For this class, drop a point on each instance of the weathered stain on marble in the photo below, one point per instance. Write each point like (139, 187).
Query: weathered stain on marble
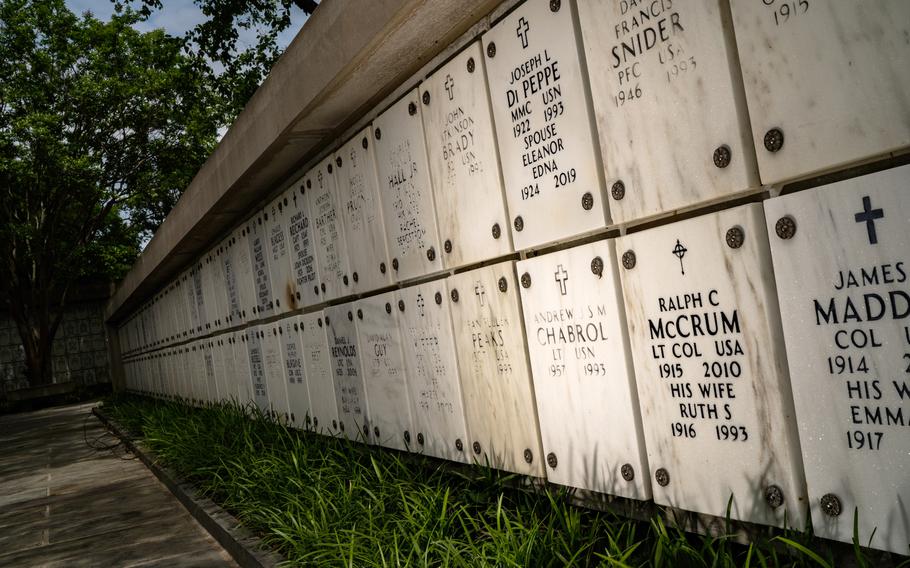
(432, 368)
(384, 374)
(464, 165)
(668, 98)
(711, 369)
(361, 214)
(842, 282)
(585, 388)
(544, 125)
(832, 76)
(494, 370)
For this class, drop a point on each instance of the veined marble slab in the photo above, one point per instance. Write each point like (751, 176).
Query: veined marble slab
(243, 374)
(298, 395)
(432, 369)
(670, 109)
(274, 370)
(353, 409)
(260, 392)
(384, 375)
(405, 191)
(280, 254)
(713, 387)
(230, 271)
(361, 214)
(317, 363)
(464, 165)
(544, 127)
(583, 378)
(331, 253)
(493, 366)
(830, 77)
(257, 236)
(245, 274)
(304, 269)
(842, 282)
(211, 381)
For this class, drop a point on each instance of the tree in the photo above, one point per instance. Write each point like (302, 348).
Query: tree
(101, 129)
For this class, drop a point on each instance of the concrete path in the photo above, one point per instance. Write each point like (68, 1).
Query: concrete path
(66, 503)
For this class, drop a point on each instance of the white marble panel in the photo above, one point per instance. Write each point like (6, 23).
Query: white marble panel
(830, 76)
(274, 370)
(351, 397)
(494, 370)
(257, 236)
(671, 113)
(260, 392)
(243, 373)
(384, 374)
(842, 282)
(405, 191)
(432, 369)
(317, 363)
(298, 396)
(303, 248)
(711, 370)
(208, 360)
(544, 125)
(283, 290)
(583, 377)
(331, 253)
(464, 164)
(245, 277)
(361, 214)
(230, 270)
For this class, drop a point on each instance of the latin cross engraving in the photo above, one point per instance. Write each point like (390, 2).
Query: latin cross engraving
(522, 32)
(561, 277)
(868, 216)
(449, 85)
(480, 291)
(680, 251)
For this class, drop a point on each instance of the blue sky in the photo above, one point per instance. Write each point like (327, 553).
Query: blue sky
(178, 16)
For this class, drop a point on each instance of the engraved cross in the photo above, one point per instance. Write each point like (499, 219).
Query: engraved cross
(868, 216)
(561, 277)
(479, 291)
(522, 32)
(449, 84)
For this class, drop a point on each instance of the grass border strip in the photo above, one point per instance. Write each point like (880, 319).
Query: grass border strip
(244, 547)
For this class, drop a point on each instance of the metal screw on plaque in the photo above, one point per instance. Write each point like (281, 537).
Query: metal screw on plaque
(382, 267)
(597, 266)
(356, 278)
(359, 314)
(366, 431)
(438, 298)
(785, 227)
(627, 471)
(322, 287)
(458, 445)
(551, 460)
(412, 108)
(407, 437)
(454, 295)
(735, 237)
(319, 321)
(329, 168)
(315, 289)
(395, 264)
(526, 280)
(338, 161)
(618, 191)
(476, 447)
(774, 140)
(426, 97)
(345, 279)
(377, 133)
(722, 156)
(365, 143)
(376, 431)
(388, 308)
(529, 455)
(431, 254)
(420, 438)
(662, 476)
(334, 424)
(491, 50)
(830, 504)
(341, 426)
(628, 260)
(400, 305)
(555, 5)
(447, 246)
(309, 184)
(296, 294)
(587, 201)
(327, 320)
(503, 284)
(519, 223)
(470, 64)
(774, 496)
(496, 231)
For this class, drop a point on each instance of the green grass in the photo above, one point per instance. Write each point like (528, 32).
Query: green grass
(329, 502)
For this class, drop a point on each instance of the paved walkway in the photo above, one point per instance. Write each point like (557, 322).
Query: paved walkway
(64, 503)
